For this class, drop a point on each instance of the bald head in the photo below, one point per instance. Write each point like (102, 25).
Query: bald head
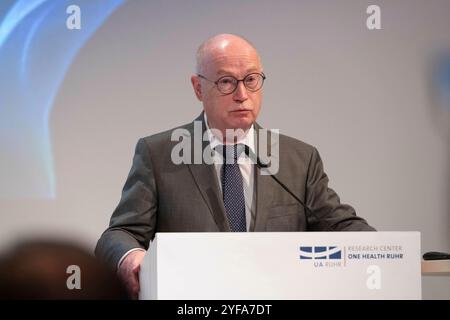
(222, 44)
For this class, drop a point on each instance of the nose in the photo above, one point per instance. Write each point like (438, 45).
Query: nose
(240, 95)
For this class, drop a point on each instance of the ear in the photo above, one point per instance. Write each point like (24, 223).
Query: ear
(195, 80)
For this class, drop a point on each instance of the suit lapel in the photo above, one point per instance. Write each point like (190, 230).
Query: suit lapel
(264, 196)
(206, 179)
(264, 188)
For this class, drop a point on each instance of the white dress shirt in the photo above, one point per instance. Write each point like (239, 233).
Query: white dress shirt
(245, 164)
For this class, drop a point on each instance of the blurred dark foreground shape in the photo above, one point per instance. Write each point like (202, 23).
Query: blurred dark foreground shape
(37, 269)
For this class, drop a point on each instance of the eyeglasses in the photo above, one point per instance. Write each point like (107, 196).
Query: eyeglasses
(228, 84)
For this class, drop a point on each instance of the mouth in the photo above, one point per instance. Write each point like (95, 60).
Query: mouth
(242, 111)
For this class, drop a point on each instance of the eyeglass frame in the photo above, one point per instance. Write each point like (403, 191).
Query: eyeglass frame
(237, 83)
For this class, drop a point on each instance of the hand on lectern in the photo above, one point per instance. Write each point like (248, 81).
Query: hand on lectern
(129, 272)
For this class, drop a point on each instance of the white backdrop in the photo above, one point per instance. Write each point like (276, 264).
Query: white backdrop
(363, 98)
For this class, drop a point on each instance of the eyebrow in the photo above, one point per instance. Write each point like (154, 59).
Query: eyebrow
(249, 70)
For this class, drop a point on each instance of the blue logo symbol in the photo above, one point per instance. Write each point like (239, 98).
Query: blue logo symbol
(320, 253)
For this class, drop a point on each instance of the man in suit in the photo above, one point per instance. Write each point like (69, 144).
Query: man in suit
(163, 195)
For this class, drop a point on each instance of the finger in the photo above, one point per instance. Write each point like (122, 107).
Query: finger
(132, 287)
(136, 279)
(136, 268)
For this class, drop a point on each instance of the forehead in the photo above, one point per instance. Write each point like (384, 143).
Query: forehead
(238, 62)
(239, 69)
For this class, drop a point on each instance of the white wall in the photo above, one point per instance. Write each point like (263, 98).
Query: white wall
(361, 97)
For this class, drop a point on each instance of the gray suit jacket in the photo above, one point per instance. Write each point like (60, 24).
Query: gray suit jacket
(160, 196)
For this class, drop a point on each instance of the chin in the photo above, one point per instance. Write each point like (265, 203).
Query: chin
(243, 123)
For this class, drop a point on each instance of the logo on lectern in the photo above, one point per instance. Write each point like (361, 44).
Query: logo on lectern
(322, 252)
(338, 256)
(322, 256)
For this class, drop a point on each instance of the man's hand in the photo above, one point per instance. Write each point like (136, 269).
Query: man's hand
(129, 272)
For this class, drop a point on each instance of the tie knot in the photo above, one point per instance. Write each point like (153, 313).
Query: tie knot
(230, 152)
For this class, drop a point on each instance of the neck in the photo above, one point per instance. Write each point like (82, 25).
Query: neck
(226, 135)
(229, 135)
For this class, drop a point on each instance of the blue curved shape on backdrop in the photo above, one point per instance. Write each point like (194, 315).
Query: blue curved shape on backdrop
(442, 82)
(36, 50)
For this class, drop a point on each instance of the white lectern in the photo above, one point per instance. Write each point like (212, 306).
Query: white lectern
(282, 265)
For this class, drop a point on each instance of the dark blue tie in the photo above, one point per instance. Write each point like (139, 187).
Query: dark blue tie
(233, 190)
